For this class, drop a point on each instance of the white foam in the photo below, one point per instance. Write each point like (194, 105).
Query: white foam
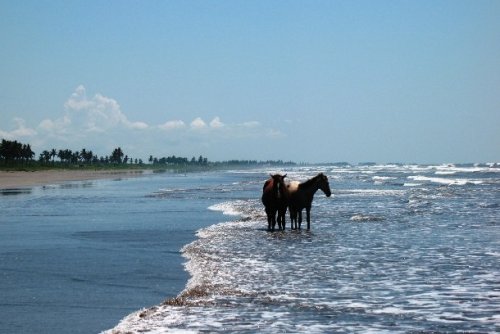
(411, 184)
(496, 254)
(365, 218)
(445, 172)
(159, 320)
(370, 192)
(227, 208)
(445, 181)
(358, 305)
(391, 310)
(383, 178)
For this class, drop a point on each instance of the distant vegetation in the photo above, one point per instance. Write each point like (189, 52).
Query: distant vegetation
(18, 156)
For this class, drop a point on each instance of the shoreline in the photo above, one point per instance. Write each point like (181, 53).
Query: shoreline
(26, 179)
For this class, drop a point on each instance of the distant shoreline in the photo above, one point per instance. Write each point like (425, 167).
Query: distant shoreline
(31, 176)
(22, 175)
(24, 179)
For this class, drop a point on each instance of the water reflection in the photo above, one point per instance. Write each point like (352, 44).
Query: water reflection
(15, 191)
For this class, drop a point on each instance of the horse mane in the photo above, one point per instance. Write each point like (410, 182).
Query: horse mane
(274, 184)
(310, 182)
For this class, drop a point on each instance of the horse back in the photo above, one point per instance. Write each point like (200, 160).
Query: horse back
(296, 196)
(293, 186)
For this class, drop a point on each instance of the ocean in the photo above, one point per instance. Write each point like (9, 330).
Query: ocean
(395, 249)
(79, 256)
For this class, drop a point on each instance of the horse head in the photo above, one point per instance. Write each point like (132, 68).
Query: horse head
(323, 184)
(279, 185)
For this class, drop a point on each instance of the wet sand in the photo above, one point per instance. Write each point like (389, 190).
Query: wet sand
(22, 179)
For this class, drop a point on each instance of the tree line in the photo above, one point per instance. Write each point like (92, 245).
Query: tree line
(86, 157)
(14, 153)
(173, 160)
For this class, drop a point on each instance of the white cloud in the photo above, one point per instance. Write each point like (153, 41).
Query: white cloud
(172, 125)
(216, 123)
(273, 133)
(58, 126)
(97, 114)
(251, 124)
(138, 125)
(78, 99)
(21, 130)
(198, 124)
(98, 123)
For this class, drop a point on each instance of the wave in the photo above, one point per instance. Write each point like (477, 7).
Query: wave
(246, 209)
(489, 205)
(474, 168)
(446, 181)
(383, 178)
(369, 192)
(411, 184)
(227, 208)
(445, 172)
(443, 169)
(366, 218)
(221, 274)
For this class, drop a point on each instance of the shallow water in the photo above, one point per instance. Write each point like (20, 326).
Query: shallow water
(77, 257)
(396, 249)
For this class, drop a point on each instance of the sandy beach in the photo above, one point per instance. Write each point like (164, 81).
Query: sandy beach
(22, 179)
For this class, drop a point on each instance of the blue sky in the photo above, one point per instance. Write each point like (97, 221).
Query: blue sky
(314, 81)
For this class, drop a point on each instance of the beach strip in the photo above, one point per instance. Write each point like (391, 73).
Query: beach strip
(23, 179)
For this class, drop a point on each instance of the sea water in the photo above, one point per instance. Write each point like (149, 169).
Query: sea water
(397, 248)
(79, 256)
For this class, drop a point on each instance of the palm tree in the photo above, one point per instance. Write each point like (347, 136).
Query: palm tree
(45, 156)
(117, 155)
(60, 155)
(26, 152)
(83, 154)
(53, 154)
(86, 156)
(75, 157)
(65, 155)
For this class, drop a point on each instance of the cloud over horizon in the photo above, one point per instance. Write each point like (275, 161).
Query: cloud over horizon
(98, 113)
(98, 123)
(20, 130)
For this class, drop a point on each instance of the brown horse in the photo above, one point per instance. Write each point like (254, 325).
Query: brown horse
(275, 200)
(301, 196)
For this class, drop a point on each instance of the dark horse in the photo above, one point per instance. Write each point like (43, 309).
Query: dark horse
(301, 196)
(275, 199)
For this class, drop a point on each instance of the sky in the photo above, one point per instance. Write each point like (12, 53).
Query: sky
(307, 81)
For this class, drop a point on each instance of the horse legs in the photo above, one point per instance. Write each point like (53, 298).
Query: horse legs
(281, 218)
(308, 217)
(293, 219)
(300, 219)
(271, 219)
